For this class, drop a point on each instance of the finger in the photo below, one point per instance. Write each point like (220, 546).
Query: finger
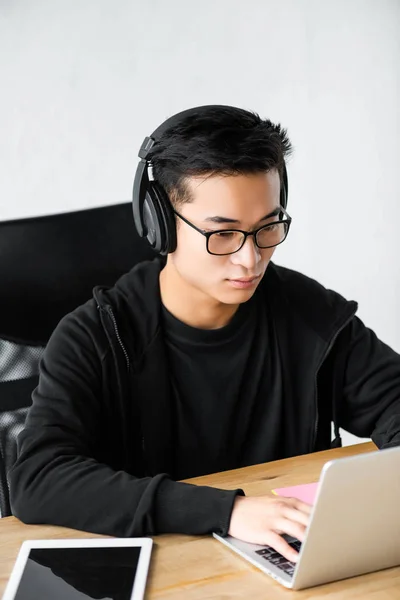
(290, 504)
(300, 505)
(296, 515)
(296, 530)
(279, 544)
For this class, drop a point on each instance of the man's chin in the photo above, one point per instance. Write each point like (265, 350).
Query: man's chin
(235, 295)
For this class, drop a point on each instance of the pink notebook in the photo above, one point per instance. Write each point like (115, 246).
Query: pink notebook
(305, 492)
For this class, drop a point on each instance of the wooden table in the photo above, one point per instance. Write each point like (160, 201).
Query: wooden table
(192, 568)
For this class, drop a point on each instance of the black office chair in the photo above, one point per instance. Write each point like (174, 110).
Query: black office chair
(49, 266)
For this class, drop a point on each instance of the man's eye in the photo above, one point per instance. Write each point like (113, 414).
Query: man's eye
(225, 234)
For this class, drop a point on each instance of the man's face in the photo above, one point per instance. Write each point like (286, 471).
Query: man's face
(226, 202)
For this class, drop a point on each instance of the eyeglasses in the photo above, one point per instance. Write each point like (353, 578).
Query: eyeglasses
(229, 241)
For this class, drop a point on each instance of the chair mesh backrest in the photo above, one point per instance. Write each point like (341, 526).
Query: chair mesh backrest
(19, 368)
(18, 361)
(11, 423)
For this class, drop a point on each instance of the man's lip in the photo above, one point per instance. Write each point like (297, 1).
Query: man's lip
(246, 279)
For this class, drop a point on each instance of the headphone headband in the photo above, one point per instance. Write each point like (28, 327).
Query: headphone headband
(149, 141)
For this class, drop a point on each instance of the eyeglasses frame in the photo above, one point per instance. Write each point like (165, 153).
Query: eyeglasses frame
(208, 234)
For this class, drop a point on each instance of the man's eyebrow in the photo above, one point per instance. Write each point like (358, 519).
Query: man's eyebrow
(220, 220)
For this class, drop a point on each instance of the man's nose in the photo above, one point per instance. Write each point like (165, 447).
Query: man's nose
(248, 255)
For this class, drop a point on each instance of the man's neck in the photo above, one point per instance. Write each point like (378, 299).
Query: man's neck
(191, 306)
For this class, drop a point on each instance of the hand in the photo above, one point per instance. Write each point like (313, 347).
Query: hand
(261, 520)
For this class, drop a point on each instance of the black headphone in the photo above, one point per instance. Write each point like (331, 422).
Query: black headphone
(152, 209)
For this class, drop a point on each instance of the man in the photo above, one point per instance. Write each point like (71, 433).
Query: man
(212, 359)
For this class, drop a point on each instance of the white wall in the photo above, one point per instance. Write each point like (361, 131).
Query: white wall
(83, 81)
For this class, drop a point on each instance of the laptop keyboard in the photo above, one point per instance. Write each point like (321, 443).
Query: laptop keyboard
(277, 559)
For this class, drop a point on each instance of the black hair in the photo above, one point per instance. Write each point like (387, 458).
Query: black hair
(217, 140)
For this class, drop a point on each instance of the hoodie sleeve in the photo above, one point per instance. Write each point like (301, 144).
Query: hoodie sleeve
(371, 406)
(58, 479)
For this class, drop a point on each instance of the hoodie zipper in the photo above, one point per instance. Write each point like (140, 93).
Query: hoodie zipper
(333, 340)
(117, 335)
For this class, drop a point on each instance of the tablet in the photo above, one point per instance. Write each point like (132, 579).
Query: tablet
(78, 569)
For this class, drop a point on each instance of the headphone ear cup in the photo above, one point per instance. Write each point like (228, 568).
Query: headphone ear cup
(284, 187)
(167, 217)
(282, 199)
(152, 221)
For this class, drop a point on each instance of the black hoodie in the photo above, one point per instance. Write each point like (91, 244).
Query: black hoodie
(96, 450)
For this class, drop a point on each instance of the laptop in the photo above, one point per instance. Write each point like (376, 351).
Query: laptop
(354, 526)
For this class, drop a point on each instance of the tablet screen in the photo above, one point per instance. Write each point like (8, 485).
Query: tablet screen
(79, 573)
